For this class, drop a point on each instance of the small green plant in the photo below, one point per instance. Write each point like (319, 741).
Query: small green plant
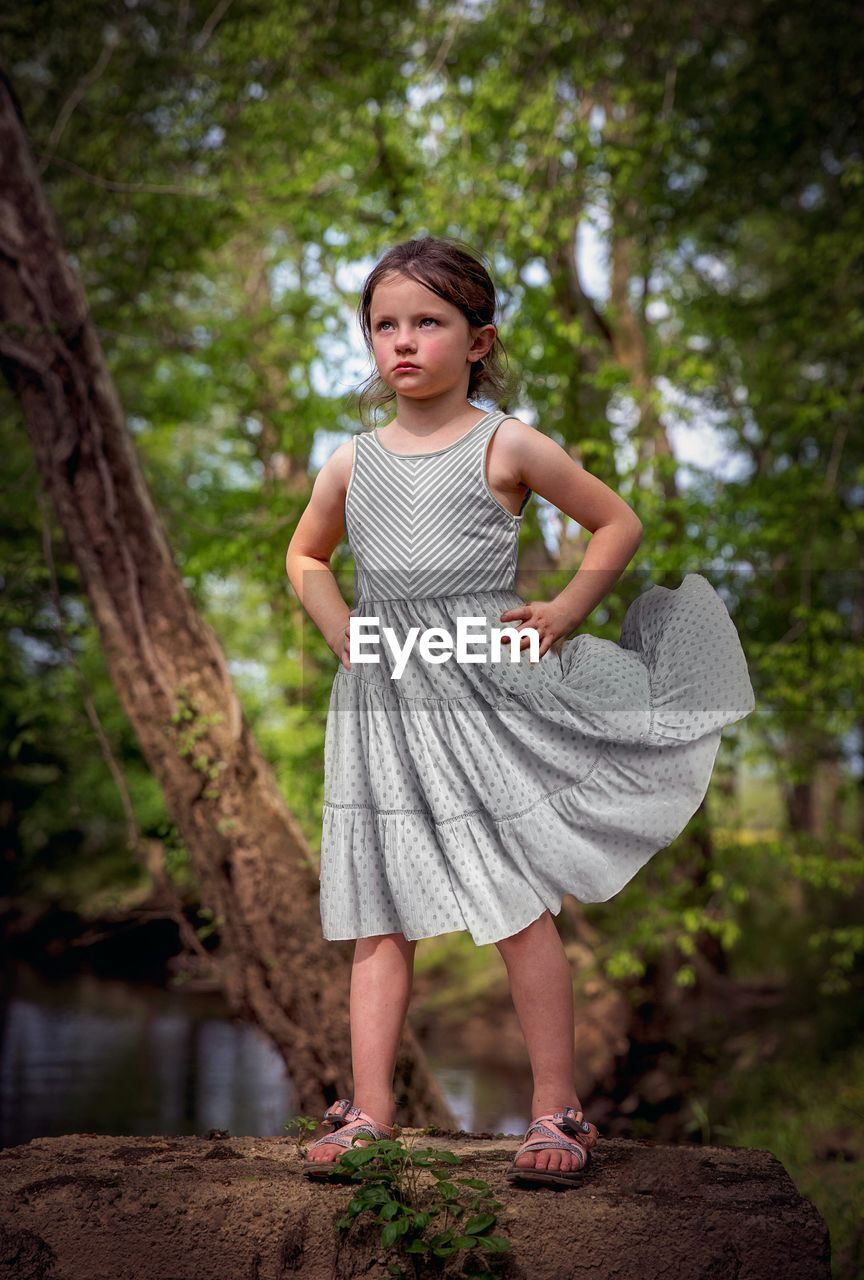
(190, 726)
(436, 1229)
(212, 922)
(305, 1126)
(444, 1230)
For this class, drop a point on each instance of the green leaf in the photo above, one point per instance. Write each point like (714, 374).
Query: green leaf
(445, 1251)
(481, 1222)
(393, 1231)
(495, 1244)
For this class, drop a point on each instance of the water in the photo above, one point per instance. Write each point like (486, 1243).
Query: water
(84, 1054)
(482, 1100)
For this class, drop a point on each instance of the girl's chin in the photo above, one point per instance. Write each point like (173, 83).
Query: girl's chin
(402, 386)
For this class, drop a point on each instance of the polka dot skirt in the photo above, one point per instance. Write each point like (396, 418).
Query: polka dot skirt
(472, 796)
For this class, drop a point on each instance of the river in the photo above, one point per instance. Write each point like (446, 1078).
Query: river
(86, 1054)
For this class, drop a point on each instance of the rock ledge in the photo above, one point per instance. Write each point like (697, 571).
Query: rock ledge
(94, 1207)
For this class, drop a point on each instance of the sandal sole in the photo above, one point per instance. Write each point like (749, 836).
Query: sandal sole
(529, 1175)
(543, 1177)
(320, 1169)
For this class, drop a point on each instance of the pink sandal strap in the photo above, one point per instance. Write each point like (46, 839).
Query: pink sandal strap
(560, 1129)
(337, 1115)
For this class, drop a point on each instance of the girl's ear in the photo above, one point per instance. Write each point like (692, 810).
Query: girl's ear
(490, 331)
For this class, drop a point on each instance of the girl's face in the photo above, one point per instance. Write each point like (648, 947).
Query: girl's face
(410, 323)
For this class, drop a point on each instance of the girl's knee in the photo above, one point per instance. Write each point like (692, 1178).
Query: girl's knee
(541, 922)
(377, 939)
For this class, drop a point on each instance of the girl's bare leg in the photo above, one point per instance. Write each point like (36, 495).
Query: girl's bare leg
(542, 991)
(382, 975)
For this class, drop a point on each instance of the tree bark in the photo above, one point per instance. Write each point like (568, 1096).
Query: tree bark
(247, 849)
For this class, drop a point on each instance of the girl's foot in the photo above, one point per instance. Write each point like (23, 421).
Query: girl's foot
(554, 1158)
(556, 1148)
(351, 1121)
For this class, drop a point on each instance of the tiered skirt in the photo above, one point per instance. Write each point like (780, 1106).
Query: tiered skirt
(474, 795)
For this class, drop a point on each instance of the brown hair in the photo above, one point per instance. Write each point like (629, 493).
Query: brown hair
(455, 273)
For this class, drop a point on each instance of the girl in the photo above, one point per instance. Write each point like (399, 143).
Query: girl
(461, 791)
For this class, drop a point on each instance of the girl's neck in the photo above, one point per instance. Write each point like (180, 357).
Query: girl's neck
(419, 423)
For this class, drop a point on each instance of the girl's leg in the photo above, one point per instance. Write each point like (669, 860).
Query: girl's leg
(382, 975)
(542, 991)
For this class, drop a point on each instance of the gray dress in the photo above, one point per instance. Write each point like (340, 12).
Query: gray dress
(474, 794)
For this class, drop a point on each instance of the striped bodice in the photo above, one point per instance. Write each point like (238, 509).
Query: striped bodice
(428, 524)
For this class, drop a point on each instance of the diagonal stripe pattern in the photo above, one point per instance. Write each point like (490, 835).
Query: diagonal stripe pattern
(428, 523)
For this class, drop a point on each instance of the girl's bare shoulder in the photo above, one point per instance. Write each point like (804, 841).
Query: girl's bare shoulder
(534, 459)
(515, 442)
(331, 482)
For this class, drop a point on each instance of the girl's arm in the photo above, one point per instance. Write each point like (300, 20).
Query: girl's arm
(319, 531)
(531, 458)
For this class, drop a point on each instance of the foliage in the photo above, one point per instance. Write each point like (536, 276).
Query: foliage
(441, 1230)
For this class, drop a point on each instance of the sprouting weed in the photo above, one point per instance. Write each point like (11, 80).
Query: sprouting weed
(305, 1126)
(446, 1229)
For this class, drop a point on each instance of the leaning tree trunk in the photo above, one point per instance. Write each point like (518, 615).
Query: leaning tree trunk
(247, 849)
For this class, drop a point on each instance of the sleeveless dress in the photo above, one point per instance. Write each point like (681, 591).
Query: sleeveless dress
(471, 795)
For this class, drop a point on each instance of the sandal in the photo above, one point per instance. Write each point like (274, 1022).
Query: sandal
(565, 1129)
(337, 1116)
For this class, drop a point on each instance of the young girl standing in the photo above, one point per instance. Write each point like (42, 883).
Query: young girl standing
(463, 792)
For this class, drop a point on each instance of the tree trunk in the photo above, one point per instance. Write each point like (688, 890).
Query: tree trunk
(247, 849)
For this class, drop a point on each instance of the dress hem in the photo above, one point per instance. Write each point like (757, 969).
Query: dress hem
(459, 928)
(648, 851)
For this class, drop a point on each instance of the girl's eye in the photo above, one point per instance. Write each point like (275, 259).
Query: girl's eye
(381, 323)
